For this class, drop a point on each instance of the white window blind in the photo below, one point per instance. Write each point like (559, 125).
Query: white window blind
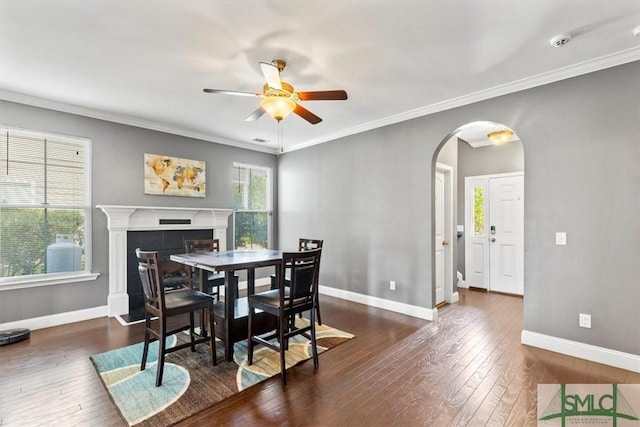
(44, 203)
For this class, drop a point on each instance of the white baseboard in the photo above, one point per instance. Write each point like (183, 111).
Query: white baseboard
(463, 284)
(57, 319)
(398, 307)
(455, 297)
(628, 361)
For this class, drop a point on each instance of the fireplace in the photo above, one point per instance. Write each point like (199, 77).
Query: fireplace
(128, 227)
(165, 242)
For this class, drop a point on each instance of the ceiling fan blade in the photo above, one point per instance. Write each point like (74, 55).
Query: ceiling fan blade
(232, 92)
(271, 75)
(307, 115)
(255, 115)
(323, 95)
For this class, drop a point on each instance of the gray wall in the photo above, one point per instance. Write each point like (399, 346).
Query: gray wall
(487, 160)
(117, 174)
(370, 197)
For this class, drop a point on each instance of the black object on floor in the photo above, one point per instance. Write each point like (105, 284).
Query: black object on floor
(13, 335)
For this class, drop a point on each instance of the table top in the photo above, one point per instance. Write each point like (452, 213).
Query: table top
(230, 260)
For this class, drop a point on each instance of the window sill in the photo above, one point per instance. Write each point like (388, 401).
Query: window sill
(9, 284)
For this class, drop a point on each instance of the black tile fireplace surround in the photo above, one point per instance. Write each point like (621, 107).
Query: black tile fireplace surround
(166, 242)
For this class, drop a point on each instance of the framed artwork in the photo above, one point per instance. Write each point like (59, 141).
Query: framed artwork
(173, 176)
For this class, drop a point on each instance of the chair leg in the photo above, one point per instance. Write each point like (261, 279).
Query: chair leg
(147, 337)
(212, 337)
(318, 309)
(283, 347)
(203, 330)
(314, 346)
(161, 350)
(192, 329)
(250, 338)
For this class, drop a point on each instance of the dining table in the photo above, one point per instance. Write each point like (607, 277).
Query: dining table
(231, 317)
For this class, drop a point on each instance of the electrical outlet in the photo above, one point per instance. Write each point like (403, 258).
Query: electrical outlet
(392, 285)
(585, 320)
(561, 238)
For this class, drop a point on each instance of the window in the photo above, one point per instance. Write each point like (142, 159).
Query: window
(45, 207)
(252, 204)
(478, 211)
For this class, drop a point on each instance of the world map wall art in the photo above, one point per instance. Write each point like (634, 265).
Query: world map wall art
(173, 176)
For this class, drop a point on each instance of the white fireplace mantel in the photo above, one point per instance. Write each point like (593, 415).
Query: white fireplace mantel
(121, 219)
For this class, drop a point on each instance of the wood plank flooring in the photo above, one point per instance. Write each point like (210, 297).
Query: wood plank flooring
(467, 368)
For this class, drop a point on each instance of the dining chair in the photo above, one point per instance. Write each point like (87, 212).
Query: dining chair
(287, 301)
(304, 245)
(165, 304)
(213, 280)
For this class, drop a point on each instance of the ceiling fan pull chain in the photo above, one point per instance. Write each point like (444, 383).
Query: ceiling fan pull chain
(280, 138)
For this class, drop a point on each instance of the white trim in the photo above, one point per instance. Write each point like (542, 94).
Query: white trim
(463, 284)
(590, 352)
(590, 66)
(46, 280)
(121, 219)
(57, 319)
(607, 61)
(398, 307)
(125, 120)
(494, 175)
(447, 171)
(455, 297)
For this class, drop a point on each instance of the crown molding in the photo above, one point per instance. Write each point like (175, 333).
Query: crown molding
(124, 120)
(585, 67)
(607, 61)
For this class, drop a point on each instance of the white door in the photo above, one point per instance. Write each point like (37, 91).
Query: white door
(476, 251)
(506, 233)
(440, 238)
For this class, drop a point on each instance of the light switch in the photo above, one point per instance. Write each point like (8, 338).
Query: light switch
(460, 228)
(561, 238)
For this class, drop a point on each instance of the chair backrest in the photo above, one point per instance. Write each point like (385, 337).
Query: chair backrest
(150, 278)
(301, 269)
(306, 244)
(203, 245)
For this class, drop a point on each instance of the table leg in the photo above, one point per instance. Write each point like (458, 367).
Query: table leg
(229, 315)
(251, 281)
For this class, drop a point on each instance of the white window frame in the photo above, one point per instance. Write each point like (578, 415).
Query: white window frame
(46, 279)
(269, 211)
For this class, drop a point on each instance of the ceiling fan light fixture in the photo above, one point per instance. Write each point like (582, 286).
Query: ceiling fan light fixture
(500, 137)
(278, 107)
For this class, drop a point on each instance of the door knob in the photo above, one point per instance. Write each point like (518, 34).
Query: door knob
(493, 239)
(445, 243)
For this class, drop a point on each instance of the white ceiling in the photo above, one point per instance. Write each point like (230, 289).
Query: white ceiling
(146, 62)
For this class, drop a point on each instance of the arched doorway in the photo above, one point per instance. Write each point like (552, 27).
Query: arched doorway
(473, 157)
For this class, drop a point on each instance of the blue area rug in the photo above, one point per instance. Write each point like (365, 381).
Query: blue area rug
(190, 383)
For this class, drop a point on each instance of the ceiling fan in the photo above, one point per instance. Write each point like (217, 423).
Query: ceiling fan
(278, 97)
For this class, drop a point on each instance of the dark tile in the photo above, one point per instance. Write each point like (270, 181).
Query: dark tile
(150, 240)
(172, 239)
(134, 240)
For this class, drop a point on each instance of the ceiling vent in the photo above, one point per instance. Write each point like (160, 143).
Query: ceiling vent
(260, 140)
(560, 40)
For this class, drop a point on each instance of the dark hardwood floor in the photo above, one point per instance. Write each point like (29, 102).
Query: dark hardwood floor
(467, 368)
